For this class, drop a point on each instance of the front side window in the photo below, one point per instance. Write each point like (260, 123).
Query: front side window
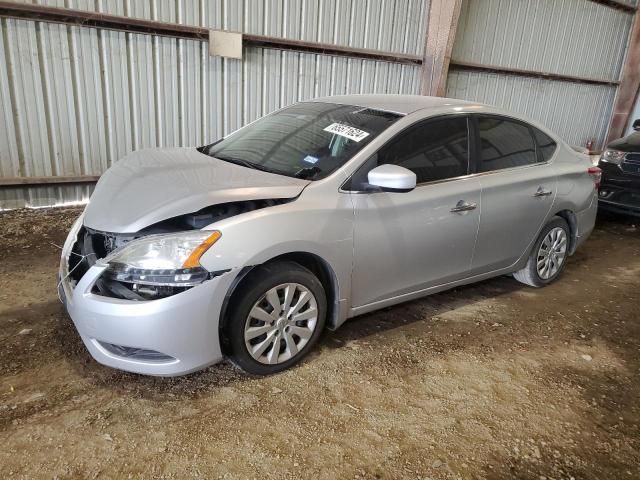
(433, 150)
(308, 140)
(504, 144)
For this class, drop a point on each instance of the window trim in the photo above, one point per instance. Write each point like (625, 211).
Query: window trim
(452, 179)
(474, 140)
(344, 188)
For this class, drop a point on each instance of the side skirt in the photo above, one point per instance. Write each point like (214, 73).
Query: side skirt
(427, 291)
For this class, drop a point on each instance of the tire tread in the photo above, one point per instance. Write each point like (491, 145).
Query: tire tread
(528, 275)
(257, 282)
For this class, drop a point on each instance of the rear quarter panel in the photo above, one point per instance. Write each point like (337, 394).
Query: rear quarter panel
(576, 191)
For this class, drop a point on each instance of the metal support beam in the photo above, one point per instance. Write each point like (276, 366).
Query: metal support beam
(442, 23)
(45, 181)
(458, 65)
(629, 85)
(84, 18)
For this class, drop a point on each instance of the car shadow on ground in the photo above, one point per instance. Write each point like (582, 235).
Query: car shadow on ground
(67, 343)
(593, 434)
(420, 310)
(55, 336)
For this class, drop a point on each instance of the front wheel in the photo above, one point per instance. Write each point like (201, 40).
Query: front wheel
(276, 318)
(548, 256)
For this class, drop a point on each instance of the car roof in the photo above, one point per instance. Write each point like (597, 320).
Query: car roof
(403, 104)
(406, 104)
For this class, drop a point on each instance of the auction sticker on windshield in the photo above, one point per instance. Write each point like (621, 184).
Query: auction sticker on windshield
(352, 133)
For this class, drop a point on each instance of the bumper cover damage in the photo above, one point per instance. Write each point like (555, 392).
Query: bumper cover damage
(166, 337)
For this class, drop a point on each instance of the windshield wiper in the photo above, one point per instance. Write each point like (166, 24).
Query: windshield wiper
(245, 163)
(307, 173)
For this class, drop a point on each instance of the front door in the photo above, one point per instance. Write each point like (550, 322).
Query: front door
(404, 242)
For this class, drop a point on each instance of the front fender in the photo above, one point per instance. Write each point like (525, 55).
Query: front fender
(316, 224)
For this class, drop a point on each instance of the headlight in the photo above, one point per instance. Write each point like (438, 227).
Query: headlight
(612, 156)
(171, 260)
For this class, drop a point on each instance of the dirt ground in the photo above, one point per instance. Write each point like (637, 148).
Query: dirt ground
(494, 380)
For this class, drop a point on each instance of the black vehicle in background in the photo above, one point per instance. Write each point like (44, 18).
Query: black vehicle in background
(620, 164)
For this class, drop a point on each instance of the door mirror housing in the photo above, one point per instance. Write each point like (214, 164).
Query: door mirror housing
(636, 125)
(392, 178)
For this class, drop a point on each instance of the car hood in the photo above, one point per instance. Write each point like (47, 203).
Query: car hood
(149, 186)
(630, 143)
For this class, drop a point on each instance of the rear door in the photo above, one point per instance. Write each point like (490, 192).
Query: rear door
(518, 189)
(404, 242)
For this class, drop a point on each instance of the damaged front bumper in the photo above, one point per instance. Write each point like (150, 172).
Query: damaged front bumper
(169, 336)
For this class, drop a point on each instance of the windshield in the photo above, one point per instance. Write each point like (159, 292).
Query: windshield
(307, 140)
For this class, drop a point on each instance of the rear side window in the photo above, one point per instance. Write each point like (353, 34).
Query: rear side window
(546, 145)
(504, 144)
(433, 150)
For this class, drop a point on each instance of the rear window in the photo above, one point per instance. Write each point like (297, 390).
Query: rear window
(308, 140)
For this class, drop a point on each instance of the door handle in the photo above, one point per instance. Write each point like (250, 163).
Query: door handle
(541, 192)
(463, 206)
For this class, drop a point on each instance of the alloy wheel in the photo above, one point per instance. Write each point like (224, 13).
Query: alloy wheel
(552, 253)
(280, 323)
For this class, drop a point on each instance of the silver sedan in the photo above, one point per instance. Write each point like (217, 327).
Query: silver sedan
(248, 248)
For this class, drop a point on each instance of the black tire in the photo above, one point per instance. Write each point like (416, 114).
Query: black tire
(259, 281)
(529, 274)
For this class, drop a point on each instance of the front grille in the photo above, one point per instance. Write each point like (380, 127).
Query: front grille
(631, 163)
(136, 353)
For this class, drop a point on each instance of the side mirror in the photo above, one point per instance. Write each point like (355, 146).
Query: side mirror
(636, 125)
(392, 178)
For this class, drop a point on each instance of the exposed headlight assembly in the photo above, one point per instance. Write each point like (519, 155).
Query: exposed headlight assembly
(72, 236)
(612, 156)
(162, 260)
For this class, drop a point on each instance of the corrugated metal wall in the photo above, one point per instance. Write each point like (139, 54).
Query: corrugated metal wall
(76, 99)
(567, 37)
(572, 110)
(570, 37)
(386, 25)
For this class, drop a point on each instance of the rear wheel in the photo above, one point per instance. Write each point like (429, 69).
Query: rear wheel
(276, 318)
(548, 256)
